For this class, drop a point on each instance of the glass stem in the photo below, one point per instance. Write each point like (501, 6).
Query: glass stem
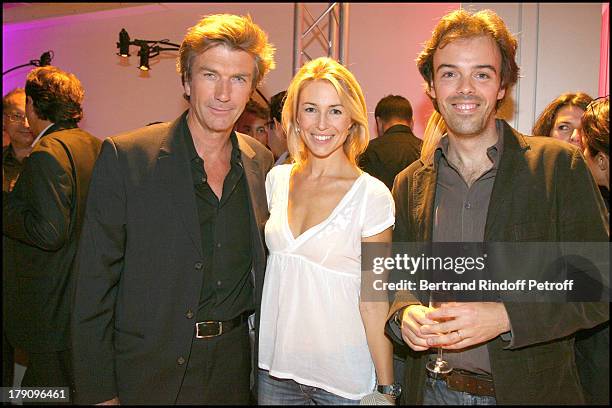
(439, 359)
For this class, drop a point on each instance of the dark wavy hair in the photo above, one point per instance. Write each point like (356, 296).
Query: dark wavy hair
(56, 95)
(596, 126)
(546, 120)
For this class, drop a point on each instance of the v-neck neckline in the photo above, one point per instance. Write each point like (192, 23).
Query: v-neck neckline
(333, 212)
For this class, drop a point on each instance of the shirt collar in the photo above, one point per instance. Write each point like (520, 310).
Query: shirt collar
(41, 134)
(493, 152)
(193, 154)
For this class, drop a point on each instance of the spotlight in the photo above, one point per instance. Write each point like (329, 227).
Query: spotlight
(45, 58)
(144, 57)
(148, 48)
(124, 43)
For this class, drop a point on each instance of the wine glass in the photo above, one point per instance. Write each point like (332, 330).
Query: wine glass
(438, 367)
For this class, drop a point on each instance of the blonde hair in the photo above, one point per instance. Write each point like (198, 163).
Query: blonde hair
(234, 32)
(350, 95)
(435, 129)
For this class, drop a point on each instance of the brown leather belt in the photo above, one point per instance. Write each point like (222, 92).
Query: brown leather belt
(460, 380)
(463, 381)
(211, 328)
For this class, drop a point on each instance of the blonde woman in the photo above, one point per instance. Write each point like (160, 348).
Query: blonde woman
(320, 342)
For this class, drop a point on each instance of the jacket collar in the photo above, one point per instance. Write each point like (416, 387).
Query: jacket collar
(515, 146)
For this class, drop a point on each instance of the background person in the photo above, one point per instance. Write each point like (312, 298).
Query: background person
(595, 136)
(253, 121)
(396, 146)
(320, 342)
(592, 345)
(277, 139)
(561, 118)
(42, 216)
(15, 124)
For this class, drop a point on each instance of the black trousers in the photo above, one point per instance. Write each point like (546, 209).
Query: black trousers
(53, 369)
(218, 370)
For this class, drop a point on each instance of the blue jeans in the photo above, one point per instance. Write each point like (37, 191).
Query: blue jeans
(437, 393)
(280, 391)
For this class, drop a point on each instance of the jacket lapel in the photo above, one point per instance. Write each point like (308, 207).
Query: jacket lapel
(174, 171)
(424, 182)
(254, 181)
(513, 152)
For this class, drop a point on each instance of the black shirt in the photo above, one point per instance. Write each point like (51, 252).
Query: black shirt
(227, 289)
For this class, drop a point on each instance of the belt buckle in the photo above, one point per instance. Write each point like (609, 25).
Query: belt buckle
(206, 336)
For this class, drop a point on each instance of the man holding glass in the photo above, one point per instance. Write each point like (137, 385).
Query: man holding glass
(479, 180)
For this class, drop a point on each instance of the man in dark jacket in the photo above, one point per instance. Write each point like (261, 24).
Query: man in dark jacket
(172, 257)
(42, 218)
(396, 147)
(481, 181)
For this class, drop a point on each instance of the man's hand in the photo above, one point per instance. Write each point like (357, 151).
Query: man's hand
(413, 319)
(114, 401)
(465, 324)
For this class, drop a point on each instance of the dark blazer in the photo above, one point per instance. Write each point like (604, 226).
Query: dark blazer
(391, 153)
(139, 266)
(543, 192)
(42, 220)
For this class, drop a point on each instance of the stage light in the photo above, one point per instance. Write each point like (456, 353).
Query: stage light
(45, 59)
(144, 57)
(148, 48)
(124, 43)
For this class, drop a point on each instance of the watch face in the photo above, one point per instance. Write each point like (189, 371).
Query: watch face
(393, 390)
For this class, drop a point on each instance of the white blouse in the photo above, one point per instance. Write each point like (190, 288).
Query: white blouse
(311, 329)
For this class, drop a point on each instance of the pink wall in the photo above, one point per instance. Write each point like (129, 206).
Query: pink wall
(384, 42)
(604, 64)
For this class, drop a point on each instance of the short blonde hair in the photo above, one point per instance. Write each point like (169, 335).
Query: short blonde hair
(234, 32)
(351, 96)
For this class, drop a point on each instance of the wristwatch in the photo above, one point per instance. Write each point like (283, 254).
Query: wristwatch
(397, 317)
(394, 390)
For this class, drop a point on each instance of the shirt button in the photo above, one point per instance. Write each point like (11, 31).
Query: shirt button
(218, 283)
(189, 314)
(180, 360)
(218, 245)
(198, 265)
(468, 206)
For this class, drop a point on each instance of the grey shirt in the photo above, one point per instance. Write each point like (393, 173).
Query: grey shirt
(460, 215)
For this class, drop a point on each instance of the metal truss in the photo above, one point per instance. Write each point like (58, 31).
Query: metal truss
(312, 42)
